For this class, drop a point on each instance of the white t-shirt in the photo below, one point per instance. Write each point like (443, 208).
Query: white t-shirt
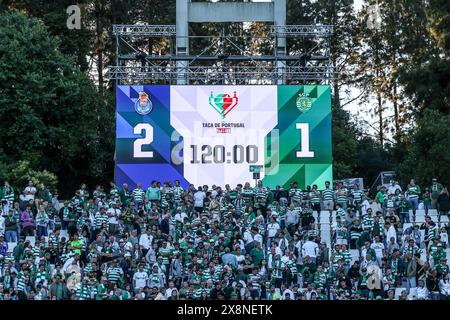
(145, 241)
(180, 216)
(68, 264)
(393, 188)
(289, 292)
(199, 196)
(169, 292)
(141, 279)
(391, 233)
(29, 197)
(240, 258)
(272, 229)
(248, 237)
(128, 246)
(2, 225)
(364, 206)
(258, 238)
(310, 249)
(113, 214)
(422, 293)
(378, 247)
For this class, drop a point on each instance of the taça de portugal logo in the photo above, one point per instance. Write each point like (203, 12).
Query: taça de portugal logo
(143, 105)
(223, 103)
(304, 102)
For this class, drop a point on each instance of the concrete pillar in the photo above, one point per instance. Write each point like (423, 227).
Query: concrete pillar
(182, 41)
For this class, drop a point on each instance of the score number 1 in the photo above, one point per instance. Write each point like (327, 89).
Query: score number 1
(148, 139)
(304, 142)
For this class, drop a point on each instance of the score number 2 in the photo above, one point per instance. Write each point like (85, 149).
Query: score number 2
(148, 138)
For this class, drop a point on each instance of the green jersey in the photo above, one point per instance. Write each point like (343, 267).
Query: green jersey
(436, 190)
(165, 253)
(404, 206)
(153, 194)
(368, 222)
(413, 191)
(380, 197)
(247, 194)
(7, 194)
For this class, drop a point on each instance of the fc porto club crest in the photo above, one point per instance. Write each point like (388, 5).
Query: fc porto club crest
(303, 102)
(143, 105)
(223, 103)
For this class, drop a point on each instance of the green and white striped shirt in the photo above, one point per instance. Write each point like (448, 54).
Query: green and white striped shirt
(138, 195)
(100, 219)
(114, 274)
(327, 194)
(295, 194)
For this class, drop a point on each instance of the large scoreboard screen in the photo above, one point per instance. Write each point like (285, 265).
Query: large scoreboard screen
(213, 134)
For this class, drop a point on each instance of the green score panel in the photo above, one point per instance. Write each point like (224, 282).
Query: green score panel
(299, 147)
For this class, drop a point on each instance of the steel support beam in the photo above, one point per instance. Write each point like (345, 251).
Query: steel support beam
(182, 41)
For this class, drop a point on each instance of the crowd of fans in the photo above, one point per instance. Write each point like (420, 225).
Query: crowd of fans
(170, 243)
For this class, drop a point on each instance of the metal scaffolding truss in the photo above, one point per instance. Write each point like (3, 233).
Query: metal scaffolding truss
(170, 30)
(221, 74)
(302, 30)
(144, 30)
(310, 64)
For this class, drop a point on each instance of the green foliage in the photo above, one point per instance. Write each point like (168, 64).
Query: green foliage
(428, 85)
(401, 41)
(371, 159)
(22, 172)
(439, 23)
(429, 152)
(53, 15)
(344, 144)
(50, 110)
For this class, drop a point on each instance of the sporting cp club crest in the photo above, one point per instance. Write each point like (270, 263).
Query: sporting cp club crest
(223, 103)
(143, 105)
(304, 102)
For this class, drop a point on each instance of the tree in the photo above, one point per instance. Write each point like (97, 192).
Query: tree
(400, 39)
(21, 172)
(47, 105)
(372, 158)
(53, 15)
(343, 48)
(429, 152)
(426, 81)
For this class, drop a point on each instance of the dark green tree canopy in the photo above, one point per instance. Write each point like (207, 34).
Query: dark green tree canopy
(49, 107)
